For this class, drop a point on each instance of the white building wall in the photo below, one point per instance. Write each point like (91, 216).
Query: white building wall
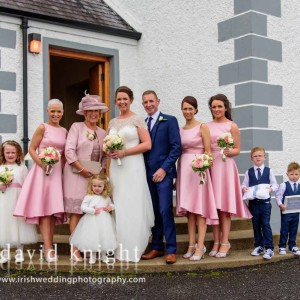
(178, 55)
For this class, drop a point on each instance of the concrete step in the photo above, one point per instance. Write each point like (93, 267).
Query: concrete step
(181, 226)
(240, 240)
(237, 258)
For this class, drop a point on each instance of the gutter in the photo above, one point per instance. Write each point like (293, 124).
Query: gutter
(25, 138)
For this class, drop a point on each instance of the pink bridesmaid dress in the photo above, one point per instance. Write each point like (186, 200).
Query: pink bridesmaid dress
(42, 195)
(192, 196)
(225, 176)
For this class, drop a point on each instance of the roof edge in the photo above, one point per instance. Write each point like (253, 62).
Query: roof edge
(135, 35)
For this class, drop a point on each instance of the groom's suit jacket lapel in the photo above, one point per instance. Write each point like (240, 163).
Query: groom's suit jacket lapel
(155, 127)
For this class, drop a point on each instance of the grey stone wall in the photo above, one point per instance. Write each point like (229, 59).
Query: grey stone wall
(253, 50)
(8, 123)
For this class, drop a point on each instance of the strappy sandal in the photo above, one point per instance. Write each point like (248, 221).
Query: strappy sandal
(213, 253)
(201, 254)
(189, 254)
(222, 254)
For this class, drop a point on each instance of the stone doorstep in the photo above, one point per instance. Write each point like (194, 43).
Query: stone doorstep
(240, 240)
(180, 223)
(235, 259)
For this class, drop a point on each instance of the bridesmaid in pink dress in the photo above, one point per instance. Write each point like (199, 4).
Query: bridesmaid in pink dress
(41, 198)
(194, 200)
(224, 175)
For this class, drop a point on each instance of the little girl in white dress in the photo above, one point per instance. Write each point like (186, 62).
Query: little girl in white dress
(14, 232)
(96, 230)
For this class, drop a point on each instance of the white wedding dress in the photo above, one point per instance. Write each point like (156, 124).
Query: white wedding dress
(131, 196)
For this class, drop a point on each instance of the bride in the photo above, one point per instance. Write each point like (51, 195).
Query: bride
(131, 196)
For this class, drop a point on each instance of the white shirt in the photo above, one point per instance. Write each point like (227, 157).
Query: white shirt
(273, 182)
(154, 119)
(281, 190)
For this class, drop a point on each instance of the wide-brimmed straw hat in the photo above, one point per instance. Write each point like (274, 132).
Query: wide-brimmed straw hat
(91, 102)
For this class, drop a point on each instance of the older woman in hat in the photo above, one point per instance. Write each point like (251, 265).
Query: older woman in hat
(83, 153)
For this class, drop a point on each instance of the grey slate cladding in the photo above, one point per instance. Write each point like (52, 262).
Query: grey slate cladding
(250, 22)
(251, 116)
(7, 38)
(8, 123)
(95, 12)
(259, 93)
(244, 70)
(257, 46)
(270, 7)
(7, 81)
(269, 139)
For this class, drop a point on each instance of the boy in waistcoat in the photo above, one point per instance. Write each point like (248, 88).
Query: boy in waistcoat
(261, 208)
(290, 221)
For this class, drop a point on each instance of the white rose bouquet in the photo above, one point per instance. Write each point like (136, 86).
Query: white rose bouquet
(225, 141)
(113, 142)
(49, 156)
(200, 164)
(6, 177)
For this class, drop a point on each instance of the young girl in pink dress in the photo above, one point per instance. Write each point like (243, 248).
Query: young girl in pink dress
(41, 199)
(194, 200)
(224, 174)
(14, 232)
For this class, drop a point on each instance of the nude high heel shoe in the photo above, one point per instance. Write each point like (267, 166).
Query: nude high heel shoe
(47, 256)
(198, 257)
(224, 254)
(213, 253)
(189, 254)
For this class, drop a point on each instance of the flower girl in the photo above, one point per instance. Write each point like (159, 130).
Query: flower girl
(96, 231)
(14, 232)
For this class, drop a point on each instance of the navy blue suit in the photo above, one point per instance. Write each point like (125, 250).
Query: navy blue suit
(289, 222)
(261, 212)
(166, 148)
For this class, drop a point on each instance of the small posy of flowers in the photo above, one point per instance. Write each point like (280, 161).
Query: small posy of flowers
(225, 141)
(200, 164)
(49, 156)
(161, 119)
(90, 136)
(6, 177)
(113, 142)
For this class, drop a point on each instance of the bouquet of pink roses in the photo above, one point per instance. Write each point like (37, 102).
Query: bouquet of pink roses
(49, 156)
(113, 142)
(6, 177)
(225, 141)
(201, 163)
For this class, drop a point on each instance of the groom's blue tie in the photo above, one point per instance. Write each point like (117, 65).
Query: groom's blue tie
(149, 123)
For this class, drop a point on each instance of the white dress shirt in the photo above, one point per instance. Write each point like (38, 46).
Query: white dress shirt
(154, 119)
(281, 190)
(273, 182)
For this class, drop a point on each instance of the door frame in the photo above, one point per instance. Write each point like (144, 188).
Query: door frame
(108, 53)
(105, 95)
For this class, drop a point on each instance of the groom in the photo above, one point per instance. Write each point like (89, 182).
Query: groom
(161, 170)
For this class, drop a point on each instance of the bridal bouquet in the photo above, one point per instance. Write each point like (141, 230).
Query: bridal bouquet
(113, 142)
(49, 156)
(6, 177)
(201, 163)
(225, 141)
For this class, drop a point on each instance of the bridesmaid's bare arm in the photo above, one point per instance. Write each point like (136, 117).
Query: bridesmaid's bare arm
(235, 132)
(35, 142)
(205, 133)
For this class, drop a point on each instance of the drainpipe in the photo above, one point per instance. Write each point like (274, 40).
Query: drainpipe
(25, 138)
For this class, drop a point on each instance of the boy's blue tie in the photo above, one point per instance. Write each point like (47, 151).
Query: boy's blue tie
(295, 187)
(258, 174)
(149, 123)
